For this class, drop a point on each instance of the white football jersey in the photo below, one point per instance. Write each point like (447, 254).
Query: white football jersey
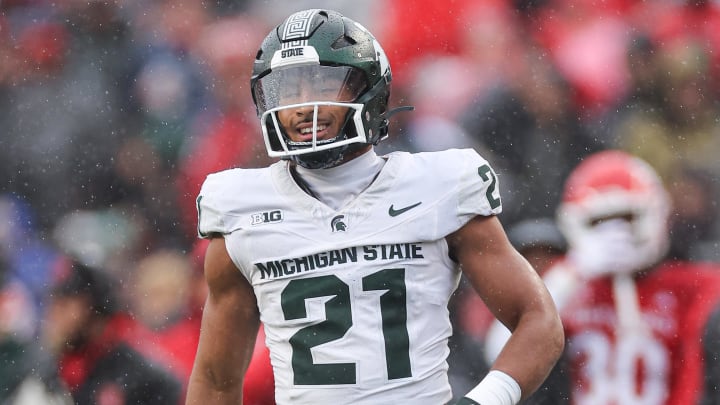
(354, 301)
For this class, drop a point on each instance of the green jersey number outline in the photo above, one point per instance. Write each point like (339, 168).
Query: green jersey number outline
(338, 320)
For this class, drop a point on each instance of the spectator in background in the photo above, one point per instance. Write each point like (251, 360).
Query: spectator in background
(586, 42)
(167, 95)
(532, 130)
(68, 109)
(641, 328)
(694, 223)
(682, 130)
(170, 90)
(231, 137)
(96, 345)
(410, 33)
(109, 238)
(669, 120)
(668, 21)
(146, 196)
(160, 288)
(160, 299)
(26, 375)
(27, 256)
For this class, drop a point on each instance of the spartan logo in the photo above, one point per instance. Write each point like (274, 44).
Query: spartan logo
(337, 224)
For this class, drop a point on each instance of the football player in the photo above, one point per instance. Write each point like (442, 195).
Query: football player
(641, 329)
(349, 258)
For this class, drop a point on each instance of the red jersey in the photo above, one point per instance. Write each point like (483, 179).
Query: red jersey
(659, 364)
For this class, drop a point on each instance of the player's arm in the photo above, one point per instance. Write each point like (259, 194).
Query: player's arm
(227, 335)
(516, 295)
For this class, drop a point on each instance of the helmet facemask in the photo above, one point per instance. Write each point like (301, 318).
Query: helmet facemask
(307, 98)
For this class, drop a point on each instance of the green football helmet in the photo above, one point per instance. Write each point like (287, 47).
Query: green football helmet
(319, 58)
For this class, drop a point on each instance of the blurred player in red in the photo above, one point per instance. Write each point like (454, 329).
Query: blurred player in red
(641, 329)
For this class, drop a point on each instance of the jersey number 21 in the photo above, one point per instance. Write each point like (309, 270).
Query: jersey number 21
(338, 319)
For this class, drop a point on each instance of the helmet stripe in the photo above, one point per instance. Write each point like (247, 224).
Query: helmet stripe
(297, 28)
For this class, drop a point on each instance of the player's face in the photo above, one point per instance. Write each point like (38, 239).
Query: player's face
(298, 122)
(299, 92)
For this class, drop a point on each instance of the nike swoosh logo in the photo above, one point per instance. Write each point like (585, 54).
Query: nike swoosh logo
(395, 212)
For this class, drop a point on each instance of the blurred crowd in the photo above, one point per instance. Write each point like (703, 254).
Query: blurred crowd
(113, 112)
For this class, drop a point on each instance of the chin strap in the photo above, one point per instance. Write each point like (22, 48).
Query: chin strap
(399, 109)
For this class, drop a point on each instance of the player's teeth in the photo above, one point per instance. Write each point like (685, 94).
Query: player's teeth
(309, 130)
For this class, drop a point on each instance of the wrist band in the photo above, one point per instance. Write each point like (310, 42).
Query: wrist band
(497, 388)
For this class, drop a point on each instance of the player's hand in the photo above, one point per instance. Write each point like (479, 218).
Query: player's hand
(607, 248)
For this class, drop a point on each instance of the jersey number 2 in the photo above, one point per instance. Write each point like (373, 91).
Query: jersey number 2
(483, 172)
(338, 319)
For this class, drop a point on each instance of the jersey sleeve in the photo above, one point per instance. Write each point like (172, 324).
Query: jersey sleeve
(213, 215)
(479, 192)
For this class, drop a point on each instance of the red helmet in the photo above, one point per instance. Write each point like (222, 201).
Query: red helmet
(616, 184)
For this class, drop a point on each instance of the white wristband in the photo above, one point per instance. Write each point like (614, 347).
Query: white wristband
(497, 388)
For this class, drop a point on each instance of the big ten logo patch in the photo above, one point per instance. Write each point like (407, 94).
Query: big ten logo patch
(267, 217)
